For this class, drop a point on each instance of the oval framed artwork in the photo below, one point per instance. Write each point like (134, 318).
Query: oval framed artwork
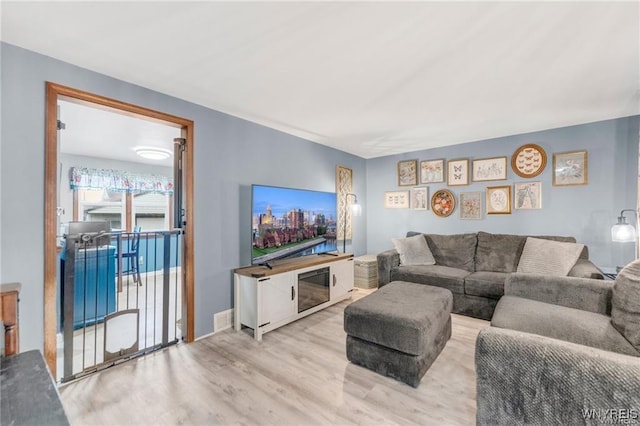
(529, 160)
(443, 202)
(499, 199)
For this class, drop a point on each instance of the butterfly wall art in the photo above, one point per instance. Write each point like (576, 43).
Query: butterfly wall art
(529, 160)
(458, 172)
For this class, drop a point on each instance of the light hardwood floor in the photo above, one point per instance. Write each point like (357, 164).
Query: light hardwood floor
(298, 375)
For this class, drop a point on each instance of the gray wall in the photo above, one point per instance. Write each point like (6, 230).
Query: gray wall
(230, 155)
(585, 212)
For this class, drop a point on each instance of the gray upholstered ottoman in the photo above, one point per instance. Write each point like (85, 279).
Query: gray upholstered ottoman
(399, 330)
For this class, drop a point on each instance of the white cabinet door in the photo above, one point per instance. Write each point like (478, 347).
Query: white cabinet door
(277, 300)
(341, 280)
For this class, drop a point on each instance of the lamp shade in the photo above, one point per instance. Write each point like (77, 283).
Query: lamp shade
(356, 209)
(623, 233)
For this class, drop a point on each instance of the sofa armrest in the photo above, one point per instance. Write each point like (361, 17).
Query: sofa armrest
(387, 260)
(524, 378)
(584, 268)
(579, 293)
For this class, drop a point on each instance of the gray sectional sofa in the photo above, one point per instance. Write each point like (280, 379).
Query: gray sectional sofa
(562, 350)
(473, 266)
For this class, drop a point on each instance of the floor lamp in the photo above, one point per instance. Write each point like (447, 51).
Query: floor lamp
(356, 210)
(623, 232)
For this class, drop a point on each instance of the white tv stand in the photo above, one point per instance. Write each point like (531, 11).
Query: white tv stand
(267, 298)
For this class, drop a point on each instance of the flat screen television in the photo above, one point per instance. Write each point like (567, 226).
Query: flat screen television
(289, 222)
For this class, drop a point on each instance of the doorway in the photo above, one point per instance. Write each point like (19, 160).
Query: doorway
(56, 94)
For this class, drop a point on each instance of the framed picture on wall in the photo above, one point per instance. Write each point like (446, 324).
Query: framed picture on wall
(407, 173)
(432, 171)
(396, 200)
(443, 202)
(499, 199)
(470, 205)
(570, 168)
(528, 195)
(529, 160)
(489, 169)
(458, 172)
(419, 199)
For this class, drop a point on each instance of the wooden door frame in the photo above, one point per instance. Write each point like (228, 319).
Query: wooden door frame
(54, 92)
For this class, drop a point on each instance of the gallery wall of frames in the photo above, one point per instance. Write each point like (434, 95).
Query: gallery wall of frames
(438, 184)
(574, 184)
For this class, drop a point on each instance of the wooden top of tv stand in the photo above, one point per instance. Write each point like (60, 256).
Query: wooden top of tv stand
(286, 265)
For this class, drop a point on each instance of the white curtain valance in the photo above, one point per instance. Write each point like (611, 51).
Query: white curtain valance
(119, 181)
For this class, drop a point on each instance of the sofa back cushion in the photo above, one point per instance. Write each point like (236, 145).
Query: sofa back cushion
(456, 251)
(625, 303)
(502, 252)
(498, 252)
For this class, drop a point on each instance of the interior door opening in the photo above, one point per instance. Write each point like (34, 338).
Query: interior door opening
(117, 174)
(150, 291)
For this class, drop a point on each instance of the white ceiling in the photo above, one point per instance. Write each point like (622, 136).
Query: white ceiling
(371, 79)
(95, 132)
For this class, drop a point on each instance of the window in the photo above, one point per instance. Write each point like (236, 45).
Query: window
(124, 199)
(150, 210)
(102, 204)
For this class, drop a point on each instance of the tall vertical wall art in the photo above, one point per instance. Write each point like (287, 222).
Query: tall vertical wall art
(344, 186)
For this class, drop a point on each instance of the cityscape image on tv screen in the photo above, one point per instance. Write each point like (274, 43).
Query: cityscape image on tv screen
(288, 222)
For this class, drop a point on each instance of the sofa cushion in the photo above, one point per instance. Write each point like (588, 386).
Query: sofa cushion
(485, 284)
(456, 251)
(541, 256)
(526, 379)
(435, 275)
(585, 294)
(413, 250)
(559, 322)
(498, 252)
(625, 303)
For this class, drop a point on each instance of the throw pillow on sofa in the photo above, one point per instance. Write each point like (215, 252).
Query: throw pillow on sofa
(548, 257)
(413, 250)
(625, 303)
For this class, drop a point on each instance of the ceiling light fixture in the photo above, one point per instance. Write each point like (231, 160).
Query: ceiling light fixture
(152, 153)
